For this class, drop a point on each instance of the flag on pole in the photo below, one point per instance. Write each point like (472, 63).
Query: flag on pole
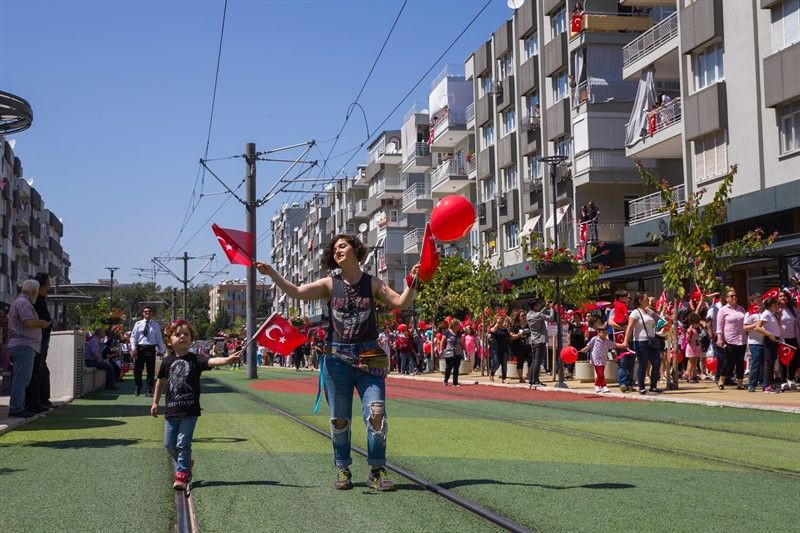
(237, 245)
(786, 353)
(278, 335)
(697, 294)
(661, 301)
(772, 293)
(428, 257)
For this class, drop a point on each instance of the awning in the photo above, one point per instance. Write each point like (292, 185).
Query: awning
(530, 224)
(378, 244)
(560, 212)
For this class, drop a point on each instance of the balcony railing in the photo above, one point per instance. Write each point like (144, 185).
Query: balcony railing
(449, 119)
(664, 117)
(597, 93)
(470, 111)
(612, 22)
(417, 191)
(448, 70)
(446, 169)
(386, 183)
(413, 239)
(361, 207)
(650, 40)
(422, 149)
(650, 206)
(472, 163)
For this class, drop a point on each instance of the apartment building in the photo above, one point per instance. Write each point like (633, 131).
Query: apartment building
(731, 73)
(30, 239)
(231, 296)
(284, 225)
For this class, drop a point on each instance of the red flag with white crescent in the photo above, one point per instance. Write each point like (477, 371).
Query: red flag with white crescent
(278, 335)
(786, 353)
(237, 245)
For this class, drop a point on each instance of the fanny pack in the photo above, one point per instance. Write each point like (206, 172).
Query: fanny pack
(371, 360)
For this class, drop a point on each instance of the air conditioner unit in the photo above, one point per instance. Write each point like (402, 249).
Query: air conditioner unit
(390, 201)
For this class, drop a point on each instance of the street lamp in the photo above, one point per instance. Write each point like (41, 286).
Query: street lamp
(554, 161)
(111, 292)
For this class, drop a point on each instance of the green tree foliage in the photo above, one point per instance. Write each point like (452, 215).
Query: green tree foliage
(440, 296)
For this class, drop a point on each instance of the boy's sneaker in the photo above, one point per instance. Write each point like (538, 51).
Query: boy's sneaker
(785, 387)
(377, 480)
(344, 479)
(605, 390)
(181, 480)
(770, 390)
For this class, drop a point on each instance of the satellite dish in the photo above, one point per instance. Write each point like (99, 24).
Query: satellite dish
(515, 4)
(391, 148)
(362, 227)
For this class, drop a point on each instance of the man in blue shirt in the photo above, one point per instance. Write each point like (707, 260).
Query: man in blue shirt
(146, 341)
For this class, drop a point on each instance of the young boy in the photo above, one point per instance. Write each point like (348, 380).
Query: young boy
(599, 347)
(180, 374)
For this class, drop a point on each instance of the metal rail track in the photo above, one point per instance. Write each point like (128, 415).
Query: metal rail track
(464, 503)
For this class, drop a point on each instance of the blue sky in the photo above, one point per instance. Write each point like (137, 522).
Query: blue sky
(121, 93)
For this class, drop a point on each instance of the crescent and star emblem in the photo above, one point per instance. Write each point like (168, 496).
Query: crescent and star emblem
(269, 329)
(224, 243)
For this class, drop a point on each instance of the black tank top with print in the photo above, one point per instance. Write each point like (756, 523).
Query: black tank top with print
(352, 311)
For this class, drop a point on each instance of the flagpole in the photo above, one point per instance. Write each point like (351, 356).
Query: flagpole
(251, 339)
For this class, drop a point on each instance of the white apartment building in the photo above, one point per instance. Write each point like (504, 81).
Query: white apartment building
(231, 296)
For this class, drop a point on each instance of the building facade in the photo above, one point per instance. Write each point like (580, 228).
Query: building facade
(231, 296)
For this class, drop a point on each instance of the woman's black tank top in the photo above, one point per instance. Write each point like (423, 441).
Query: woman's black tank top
(352, 311)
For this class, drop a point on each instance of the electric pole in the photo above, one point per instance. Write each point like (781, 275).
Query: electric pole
(174, 311)
(186, 279)
(185, 284)
(111, 292)
(251, 204)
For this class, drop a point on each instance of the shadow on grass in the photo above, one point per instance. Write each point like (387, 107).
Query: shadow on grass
(83, 443)
(73, 411)
(217, 440)
(10, 470)
(70, 423)
(249, 483)
(468, 482)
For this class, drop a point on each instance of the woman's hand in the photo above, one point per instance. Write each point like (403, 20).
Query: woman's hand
(720, 343)
(264, 268)
(154, 410)
(415, 270)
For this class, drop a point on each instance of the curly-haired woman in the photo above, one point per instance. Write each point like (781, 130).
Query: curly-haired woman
(353, 358)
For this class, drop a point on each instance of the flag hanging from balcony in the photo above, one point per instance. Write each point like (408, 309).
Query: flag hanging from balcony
(278, 335)
(428, 257)
(583, 240)
(576, 23)
(237, 245)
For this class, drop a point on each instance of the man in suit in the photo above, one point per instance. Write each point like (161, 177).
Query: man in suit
(146, 341)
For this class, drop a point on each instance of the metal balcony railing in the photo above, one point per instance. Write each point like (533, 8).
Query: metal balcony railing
(448, 70)
(470, 111)
(413, 239)
(449, 119)
(665, 116)
(417, 191)
(597, 93)
(647, 207)
(361, 207)
(422, 149)
(446, 169)
(650, 40)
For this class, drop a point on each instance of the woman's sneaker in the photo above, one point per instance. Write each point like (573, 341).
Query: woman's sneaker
(597, 389)
(344, 479)
(605, 390)
(377, 480)
(181, 481)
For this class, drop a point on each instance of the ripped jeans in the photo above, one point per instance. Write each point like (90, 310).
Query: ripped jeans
(340, 378)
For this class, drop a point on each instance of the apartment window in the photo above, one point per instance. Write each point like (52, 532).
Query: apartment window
(504, 67)
(710, 156)
(530, 46)
(563, 146)
(508, 178)
(559, 82)
(485, 85)
(487, 136)
(488, 189)
(490, 244)
(785, 24)
(708, 66)
(393, 215)
(558, 23)
(509, 122)
(532, 104)
(789, 127)
(511, 231)
(534, 167)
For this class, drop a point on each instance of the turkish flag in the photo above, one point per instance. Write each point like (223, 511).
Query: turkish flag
(279, 336)
(619, 337)
(697, 294)
(772, 293)
(576, 23)
(237, 245)
(786, 353)
(661, 301)
(429, 257)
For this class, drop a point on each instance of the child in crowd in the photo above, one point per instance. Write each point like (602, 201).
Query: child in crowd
(598, 348)
(179, 374)
(693, 349)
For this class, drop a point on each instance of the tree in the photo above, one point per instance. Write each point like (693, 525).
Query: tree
(689, 256)
(440, 296)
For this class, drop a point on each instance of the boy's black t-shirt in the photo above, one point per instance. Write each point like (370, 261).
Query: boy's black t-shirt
(183, 383)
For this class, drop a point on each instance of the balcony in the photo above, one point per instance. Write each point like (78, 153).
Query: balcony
(385, 153)
(387, 187)
(590, 92)
(449, 130)
(663, 140)
(420, 160)
(449, 177)
(487, 215)
(359, 209)
(471, 114)
(417, 199)
(652, 47)
(412, 241)
(486, 162)
(612, 22)
(648, 207)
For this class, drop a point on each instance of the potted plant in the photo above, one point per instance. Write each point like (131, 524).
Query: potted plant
(550, 262)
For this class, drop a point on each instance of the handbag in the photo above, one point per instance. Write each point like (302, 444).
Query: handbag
(654, 342)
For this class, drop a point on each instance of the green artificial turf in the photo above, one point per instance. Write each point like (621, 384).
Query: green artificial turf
(96, 464)
(562, 469)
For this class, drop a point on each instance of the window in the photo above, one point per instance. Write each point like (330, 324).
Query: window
(708, 66)
(509, 122)
(710, 156)
(785, 24)
(532, 104)
(504, 67)
(393, 215)
(487, 136)
(559, 82)
(490, 243)
(508, 178)
(530, 46)
(789, 127)
(534, 167)
(558, 23)
(511, 231)
(488, 189)
(563, 146)
(485, 85)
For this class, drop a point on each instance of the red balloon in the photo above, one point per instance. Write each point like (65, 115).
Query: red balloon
(401, 328)
(452, 218)
(422, 325)
(711, 364)
(569, 354)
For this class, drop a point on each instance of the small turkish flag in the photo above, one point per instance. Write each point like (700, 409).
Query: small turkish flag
(697, 294)
(576, 23)
(279, 336)
(786, 353)
(772, 293)
(619, 337)
(661, 301)
(237, 245)
(429, 256)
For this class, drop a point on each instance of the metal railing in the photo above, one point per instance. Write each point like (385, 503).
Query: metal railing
(650, 206)
(361, 207)
(446, 169)
(413, 239)
(470, 111)
(448, 70)
(650, 40)
(417, 191)
(422, 149)
(665, 116)
(449, 119)
(597, 93)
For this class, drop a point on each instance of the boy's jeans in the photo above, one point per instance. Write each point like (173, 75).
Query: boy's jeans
(178, 432)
